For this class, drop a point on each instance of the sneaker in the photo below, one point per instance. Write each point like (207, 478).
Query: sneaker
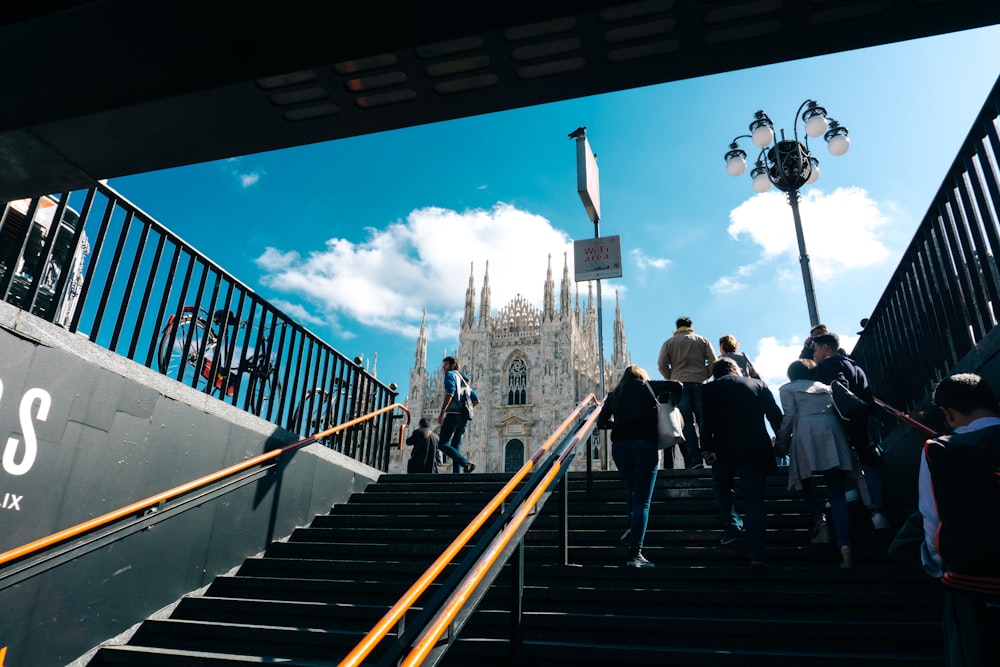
(820, 533)
(879, 521)
(470, 466)
(697, 466)
(729, 538)
(845, 558)
(638, 560)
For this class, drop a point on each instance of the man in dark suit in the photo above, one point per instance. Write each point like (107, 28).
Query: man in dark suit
(734, 442)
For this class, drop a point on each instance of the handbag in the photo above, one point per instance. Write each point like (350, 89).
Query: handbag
(852, 408)
(669, 422)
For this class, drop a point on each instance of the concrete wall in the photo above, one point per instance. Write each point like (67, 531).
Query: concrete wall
(84, 432)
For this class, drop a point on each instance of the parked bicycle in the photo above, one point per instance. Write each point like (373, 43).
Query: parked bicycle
(209, 345)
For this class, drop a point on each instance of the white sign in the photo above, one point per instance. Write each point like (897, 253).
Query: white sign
(599, 258)
(588, 179)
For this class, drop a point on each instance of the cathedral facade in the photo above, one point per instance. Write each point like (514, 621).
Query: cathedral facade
(530, 367)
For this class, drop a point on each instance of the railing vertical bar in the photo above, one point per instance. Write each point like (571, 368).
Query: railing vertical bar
(144, 303)
(978, 245)
(967, 256)
(74, 249)
(46, 256)
(115, 259)
(963, 285)
(129, 286)
(950, 289)
(22, 241)
(199, 293)
(95, 256)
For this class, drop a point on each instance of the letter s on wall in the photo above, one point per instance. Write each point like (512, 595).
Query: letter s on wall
(28, 429)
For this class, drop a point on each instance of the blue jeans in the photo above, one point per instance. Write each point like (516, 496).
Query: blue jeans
(690, 407)
(450, 439)
(836, 487)
(637, 462)
(753, 475)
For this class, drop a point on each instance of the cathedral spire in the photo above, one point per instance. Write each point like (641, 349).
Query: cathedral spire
(549, 303)
(484, 307)
(564, 302)
(420, 359)
(469, 318)
(619, 357)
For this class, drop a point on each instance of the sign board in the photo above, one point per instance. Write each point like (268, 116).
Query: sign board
(587, 179)
(598, 258)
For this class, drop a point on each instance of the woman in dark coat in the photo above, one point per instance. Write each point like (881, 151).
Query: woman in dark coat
(630, 412)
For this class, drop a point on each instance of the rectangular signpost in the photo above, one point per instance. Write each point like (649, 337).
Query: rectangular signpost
(594, 259)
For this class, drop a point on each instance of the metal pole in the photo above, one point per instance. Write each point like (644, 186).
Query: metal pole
(793, 201)
(600, 351)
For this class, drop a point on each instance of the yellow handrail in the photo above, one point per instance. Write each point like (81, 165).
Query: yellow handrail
(104, 519)
(397, 611)
(444, 618)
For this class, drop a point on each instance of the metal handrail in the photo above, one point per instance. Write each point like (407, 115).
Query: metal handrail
(905, 417)
(444, 618)
(412, 594)
(105, 519)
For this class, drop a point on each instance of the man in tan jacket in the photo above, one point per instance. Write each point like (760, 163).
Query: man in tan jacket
(688, 358)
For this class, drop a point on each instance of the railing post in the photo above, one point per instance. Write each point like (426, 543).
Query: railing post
(564, 518)
(517, 603)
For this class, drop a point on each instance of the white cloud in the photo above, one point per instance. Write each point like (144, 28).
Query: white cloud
(726, 285)
(773, 357)
(387, 280)
(246, 180)
(841, 230)
(643, 262)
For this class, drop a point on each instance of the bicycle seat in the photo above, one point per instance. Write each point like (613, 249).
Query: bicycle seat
(221, 316)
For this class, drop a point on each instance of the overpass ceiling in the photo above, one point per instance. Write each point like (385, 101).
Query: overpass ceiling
(110, 88)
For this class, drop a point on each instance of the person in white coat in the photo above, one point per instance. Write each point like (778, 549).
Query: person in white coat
(811, 434)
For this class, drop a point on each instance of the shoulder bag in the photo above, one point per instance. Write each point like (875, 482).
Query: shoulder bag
(669, 422)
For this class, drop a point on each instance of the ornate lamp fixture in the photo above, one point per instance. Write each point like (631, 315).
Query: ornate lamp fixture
(788, 165)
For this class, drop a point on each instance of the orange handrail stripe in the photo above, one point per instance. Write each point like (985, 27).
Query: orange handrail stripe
(104, 519)
(445, 617)
(396, 612)
(905, 417)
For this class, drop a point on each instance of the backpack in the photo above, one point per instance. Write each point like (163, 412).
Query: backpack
(464, 391)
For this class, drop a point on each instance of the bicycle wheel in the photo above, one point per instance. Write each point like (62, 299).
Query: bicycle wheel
(171, 355)
(265, 393)
(313, 414)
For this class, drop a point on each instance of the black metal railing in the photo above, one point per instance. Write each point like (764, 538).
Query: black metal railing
(110, 272)
(942, 300)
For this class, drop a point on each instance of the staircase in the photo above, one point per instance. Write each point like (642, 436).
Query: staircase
(310, 599)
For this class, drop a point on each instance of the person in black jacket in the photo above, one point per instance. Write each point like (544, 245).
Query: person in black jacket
(831, 363)
(630, 412)
(959, 491)
(735, 442)
(425, 443)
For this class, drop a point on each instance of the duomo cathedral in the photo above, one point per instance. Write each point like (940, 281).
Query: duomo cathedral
(530, 366)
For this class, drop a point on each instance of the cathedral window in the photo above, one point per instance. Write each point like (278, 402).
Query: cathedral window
(517, 382)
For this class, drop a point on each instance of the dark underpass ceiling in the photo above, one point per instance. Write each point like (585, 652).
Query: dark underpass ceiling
(109, 88)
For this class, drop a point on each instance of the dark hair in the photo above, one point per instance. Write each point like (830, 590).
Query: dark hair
(821, 328)
(724, 367)
(830, 339)
(423, 423)
(451, 361)
(964, 393)
(801, 369)
(683, 321)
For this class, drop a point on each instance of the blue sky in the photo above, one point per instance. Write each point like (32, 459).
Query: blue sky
(357, 237)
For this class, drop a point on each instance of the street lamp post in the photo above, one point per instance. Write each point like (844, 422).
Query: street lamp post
(788, 165)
